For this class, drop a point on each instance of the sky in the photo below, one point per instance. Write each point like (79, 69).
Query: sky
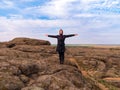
(96, 21)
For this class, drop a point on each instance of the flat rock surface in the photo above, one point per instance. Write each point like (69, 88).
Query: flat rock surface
(33, 66)
(30, 66)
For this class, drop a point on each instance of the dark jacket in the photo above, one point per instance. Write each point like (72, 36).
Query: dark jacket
(61, 41)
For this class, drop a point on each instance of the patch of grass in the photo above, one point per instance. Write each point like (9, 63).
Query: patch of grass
(108, 85)
(92, 82)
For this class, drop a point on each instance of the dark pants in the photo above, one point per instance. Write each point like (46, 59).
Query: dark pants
(61, 57)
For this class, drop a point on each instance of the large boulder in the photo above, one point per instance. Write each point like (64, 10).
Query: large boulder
(26, 41)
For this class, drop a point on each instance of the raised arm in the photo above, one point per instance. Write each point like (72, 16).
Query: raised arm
(52, 36)
(71, 35)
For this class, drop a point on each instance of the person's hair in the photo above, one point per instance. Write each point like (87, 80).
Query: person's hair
(60, 31)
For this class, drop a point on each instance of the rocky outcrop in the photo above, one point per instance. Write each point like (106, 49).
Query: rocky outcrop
(24, 41)
(100, 64)
(30, 65)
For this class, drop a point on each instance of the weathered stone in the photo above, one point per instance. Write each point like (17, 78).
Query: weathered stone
(24, 78)
(29, 69)
(27, 41)
(29, 64)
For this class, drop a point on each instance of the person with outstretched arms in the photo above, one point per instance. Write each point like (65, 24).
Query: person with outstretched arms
(61, 43)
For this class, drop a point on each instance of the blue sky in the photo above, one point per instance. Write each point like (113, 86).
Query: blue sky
(96, 21)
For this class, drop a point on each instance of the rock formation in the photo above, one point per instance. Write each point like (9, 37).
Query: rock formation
(26, 65)
(25, 41)
(30, 64)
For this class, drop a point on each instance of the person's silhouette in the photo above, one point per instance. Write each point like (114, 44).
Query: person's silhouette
(61, 44)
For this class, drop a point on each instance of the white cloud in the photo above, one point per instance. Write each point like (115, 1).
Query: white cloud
(5, 4)
(111, 3)
(67, 9)
(12, 28)
(57, 8)
(89, 32)
(52, 9)
(15, 16)
(89, 18)
(26, 0)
